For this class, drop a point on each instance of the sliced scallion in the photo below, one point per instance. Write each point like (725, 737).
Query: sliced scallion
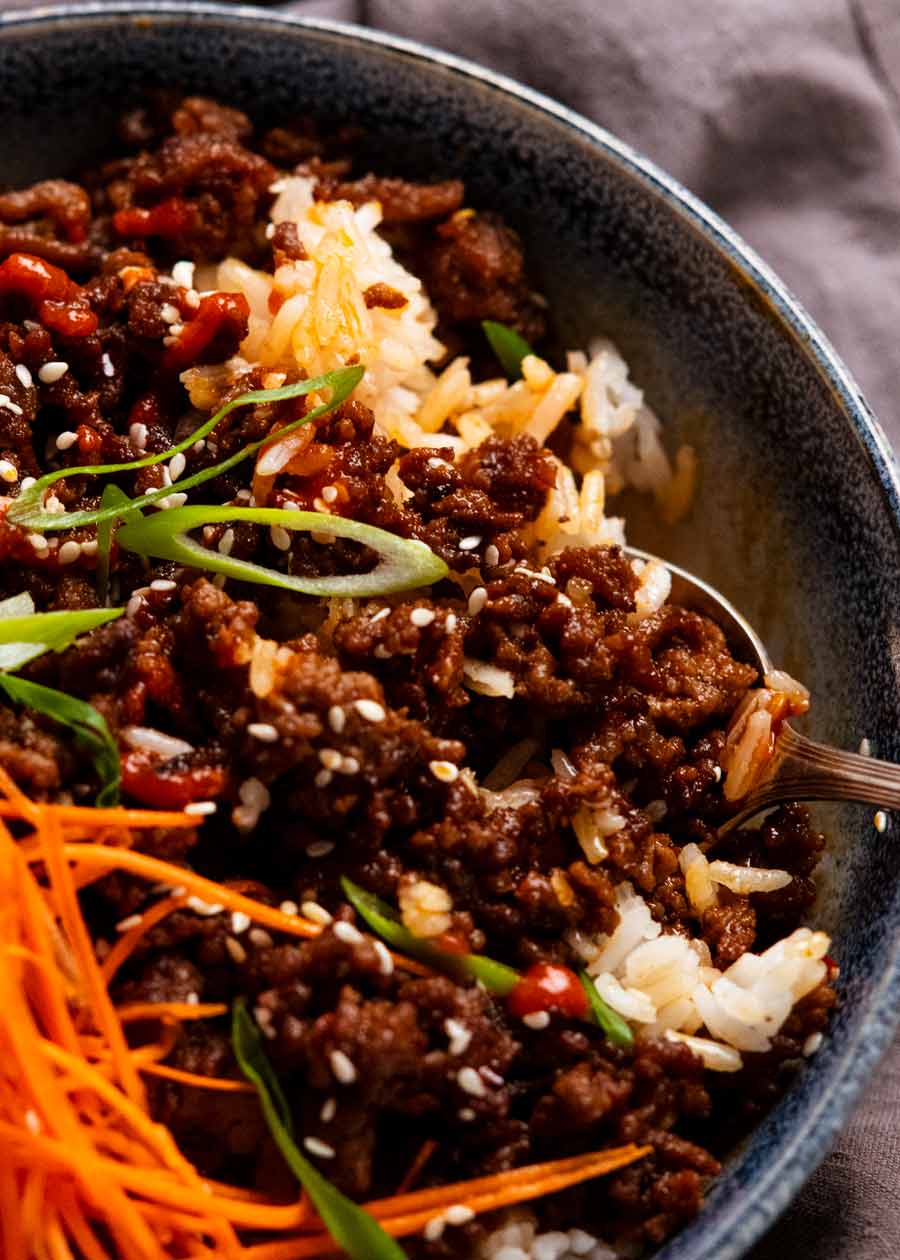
(403, 563)
(25, 636)
(508, 346)
(615, 1027)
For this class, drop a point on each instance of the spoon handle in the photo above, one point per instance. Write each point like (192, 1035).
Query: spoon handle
(807, 771)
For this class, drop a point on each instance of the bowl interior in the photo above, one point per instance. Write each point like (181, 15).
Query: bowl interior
(796, 517)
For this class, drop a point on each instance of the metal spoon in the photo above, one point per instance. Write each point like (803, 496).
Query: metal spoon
(800, 769)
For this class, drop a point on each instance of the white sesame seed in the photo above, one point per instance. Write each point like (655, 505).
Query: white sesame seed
(254, 794)
(239, 922)
(51, 372)
(37, 541)
(7, 402)
(422, 617)
(32, 1121)
(319, 536)
(200, 808)
(880, 820)
(329, 493)
(717, 771)
(371, 710)
(477, 600)
(89, 548)
(490, 1075)
(235, 950)
(133, 920)
(264, 1019)
(66, 439)
(8, 471)
(170, 314)
(470, 1082)
(176, 500)
(322, 779)
(347, 933)
(199, 445)
(458, 1214)
(206, 909)
(349, 765)
(106, 365)
(260, 938)
(316, 913)
(445, 771)
(163, 584)
(193, 999)
(316, 1146)
(24, 376)
(263, 731)
(342, 1066)
(280, 537)
(434, 462)
(319, 848)
(812, 1043)
(491, 556)
(138, 435)
(69, 552)
(381, 652)
(191, 299)
(336, 718)
(537, 1019)
(177, 465)
(460, 1036)
(470, 543)
(330, 758)
(379, 616)
(434, 1228)
(865, 747)
(329, 1108)
(270, 231)
(564, 600)
(27, 483)
(183, 273)
(385, 962)
(466, 1114)
(53, 504)
(225, 543)
(290, 908)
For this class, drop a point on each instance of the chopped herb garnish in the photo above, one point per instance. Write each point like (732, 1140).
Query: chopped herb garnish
(27, 510)
(403, 563)
(112, 496)
(615, 1027)
(508, 346)
(27, 634)
(353, 1229)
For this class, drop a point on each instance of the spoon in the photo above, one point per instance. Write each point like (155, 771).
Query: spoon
(799, 769)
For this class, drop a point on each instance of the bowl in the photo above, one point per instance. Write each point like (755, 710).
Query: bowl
(797, 512)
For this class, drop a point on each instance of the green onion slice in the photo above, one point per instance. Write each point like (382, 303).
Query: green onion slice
(353, 1229)
(617, 1031)
(27, 509)
(89, 730)
(25, 635)
(403, 563)
(112, 496)
(378, 915)
(508, 346)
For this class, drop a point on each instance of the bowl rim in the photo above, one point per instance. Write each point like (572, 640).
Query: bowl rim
(723, 1234)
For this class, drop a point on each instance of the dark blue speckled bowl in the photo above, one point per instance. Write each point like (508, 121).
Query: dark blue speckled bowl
(797, 515)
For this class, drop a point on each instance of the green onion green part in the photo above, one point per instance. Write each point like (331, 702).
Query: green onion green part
(89, 729)
(508, 346)
(403, 563)
(617, 1031)
(353, 1229)
(24, 636)
(27, 509)
(112, 496)
(381, 918)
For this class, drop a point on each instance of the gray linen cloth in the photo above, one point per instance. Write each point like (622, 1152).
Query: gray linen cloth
(784, 115)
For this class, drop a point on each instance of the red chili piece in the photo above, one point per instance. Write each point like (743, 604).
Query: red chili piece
(168, 218)
(548, 987)
(220, 323)
(61, 303)
(153, 785)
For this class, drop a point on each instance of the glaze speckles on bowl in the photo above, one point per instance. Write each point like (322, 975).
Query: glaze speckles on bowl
(797, 514)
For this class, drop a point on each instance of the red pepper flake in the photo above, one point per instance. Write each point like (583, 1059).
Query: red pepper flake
(167, 219)
(154, 784)
(61, 304)
(217, 329)
(548, 987)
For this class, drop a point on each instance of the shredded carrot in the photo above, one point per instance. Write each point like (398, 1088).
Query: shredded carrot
(128, 941)
(133, 1011)
(198, 1082)
(92, 818)
(414, 1172)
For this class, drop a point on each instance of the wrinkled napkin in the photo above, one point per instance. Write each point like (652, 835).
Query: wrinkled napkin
(784, 116)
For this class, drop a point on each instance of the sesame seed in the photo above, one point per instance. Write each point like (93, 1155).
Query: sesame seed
(422, 617)
(451, 623)
(379, 616)
(385, 962)
(880, 820)
(460, 1036)
(717, 771)
(66, 439)
(193, 999)
(319, 848)
(537, 1019)
(290, 908)
(470, 1082)
(490, 1075)
(316, 913)
(330, 758)
(133, 920)
(381, 652)
(219, 581)
(106, 365)
(329, 1108)
(176, 500)
(347, 933)
(336, 718)
(280, 537)
(183, 273)
(162, 584)
(445, 771)
(263, 1017)
(865, 747)
(260, 938)
(27, 483)
(316, 1146)
(225, 543)
(329, 493)
(89, 548)
(270, 231)
(318, 536)
(24, 376)
(69, 552)
(53, 504)
(7, 402)
(491, 556)
(37, 541)
(466, 1114)
(434, 1228)
(458, 1214)
(434, 462)
(564, 600)
(138, 435)
(371, 710)
(177, 465)
(342, 1067)
(264, 731)
(239, 922)
(470, 543)
(236, 951)
(200, 808)
(322, 779)
(812, 1043)
(51, 372)
(170, 313)
(477, 600)
(8, 471)
(206, 909)
(254, 794)
(349, 765)
(32, 1121)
